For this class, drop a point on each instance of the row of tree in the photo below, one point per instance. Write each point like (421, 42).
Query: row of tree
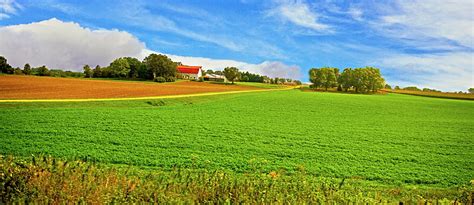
(232, 72)
(39, 71)
(153, 67)
(366, 79)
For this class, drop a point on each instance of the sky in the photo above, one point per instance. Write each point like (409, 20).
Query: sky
(424, 43)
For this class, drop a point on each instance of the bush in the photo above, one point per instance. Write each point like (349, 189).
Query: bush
(159, 79)
(170, 79)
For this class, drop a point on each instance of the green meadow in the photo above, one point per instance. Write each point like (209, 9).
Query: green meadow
(385, 139)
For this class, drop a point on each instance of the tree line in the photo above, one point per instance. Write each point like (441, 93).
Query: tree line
(39, 71)
(234, 73)
(155, 67)
(359, 80)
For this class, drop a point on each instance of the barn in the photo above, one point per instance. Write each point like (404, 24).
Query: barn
(189, 72)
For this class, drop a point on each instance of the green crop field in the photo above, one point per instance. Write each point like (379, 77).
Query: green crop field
(385, 139)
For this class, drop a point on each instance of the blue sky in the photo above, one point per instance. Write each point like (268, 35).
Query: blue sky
(427, 43)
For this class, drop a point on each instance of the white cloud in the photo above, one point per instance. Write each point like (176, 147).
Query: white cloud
(64, 45)
(355, 13)
(9, 7)
(444, 71)
(299, 13)
(4, 16)
(432, 20)
(68, 46)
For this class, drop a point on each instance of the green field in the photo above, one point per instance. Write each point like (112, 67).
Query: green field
(385, 139)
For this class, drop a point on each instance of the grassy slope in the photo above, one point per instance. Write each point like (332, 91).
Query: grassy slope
(262, 85)
(396, 139)
(461, 96)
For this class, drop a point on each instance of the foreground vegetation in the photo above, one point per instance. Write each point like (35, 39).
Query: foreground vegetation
(48, 180)
(388, 139)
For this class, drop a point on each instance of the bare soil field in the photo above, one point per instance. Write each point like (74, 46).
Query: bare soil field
(33, 87)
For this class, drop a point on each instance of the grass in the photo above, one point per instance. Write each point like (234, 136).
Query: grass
(385, 140)
(461, 96)
(48, 180)
(262, 85)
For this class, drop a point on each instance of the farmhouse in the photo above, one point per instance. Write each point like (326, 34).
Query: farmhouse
(215, 77)
(189, 72)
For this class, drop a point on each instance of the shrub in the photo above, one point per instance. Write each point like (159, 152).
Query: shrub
(170, 79)
(159, 79)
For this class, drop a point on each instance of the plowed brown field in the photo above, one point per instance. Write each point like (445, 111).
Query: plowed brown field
(33, 87)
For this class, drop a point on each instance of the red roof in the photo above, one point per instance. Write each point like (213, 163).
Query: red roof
(189, 69)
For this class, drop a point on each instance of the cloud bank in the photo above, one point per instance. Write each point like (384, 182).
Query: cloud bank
(64, 45)
(444, 71)
(68, 46)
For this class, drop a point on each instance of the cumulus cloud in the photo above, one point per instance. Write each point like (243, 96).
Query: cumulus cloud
(64, 45)
(8, 7)
(299, 13)
(444, 71)
(67, 45)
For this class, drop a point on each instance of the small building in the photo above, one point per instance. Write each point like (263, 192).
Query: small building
(215, 77)
(189, 72)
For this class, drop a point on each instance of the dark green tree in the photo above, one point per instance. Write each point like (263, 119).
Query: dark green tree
(97, 72)
(160, 66)
(18, 71)
(231, 73)
(43, 71)
(87, 71)
(135, 65)
(119, 68)
(27, 69)
(5, 67)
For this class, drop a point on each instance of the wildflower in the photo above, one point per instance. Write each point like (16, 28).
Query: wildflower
(273, 174)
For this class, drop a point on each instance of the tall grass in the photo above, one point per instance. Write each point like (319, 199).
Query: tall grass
(48, 180)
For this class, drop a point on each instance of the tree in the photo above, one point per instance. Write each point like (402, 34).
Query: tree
(5, 67)
(135, 65)
(345, 79)
(43, 71)
(97, 72)
(471, 90)
(412, 88)
(329, 77)
(119, 68)
(231, 73)
(374, 80)
(387, 86)
(87, 71)
(397, 87)
(143, 72)
(27, 69)
(358, 80)
(324, 77)
(18, 71)
(160, 66)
